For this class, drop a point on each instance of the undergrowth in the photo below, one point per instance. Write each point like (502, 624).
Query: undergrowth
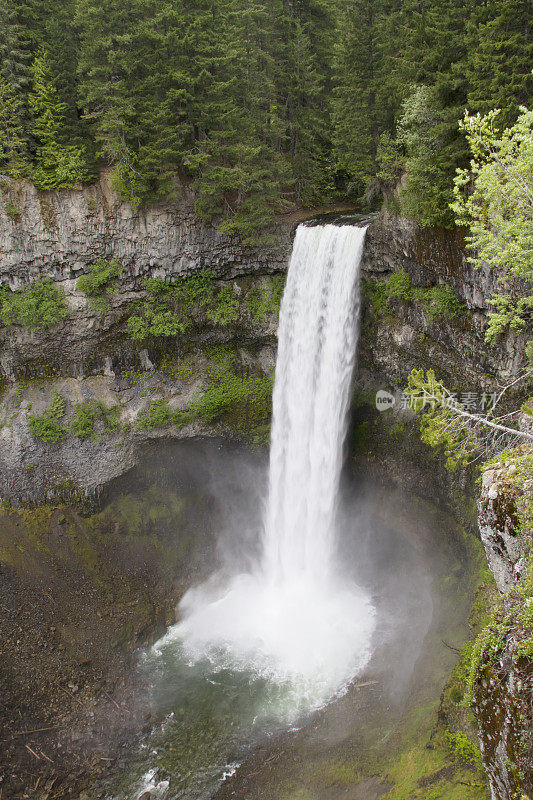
(37, 306)
(99, 282)
(439, 301)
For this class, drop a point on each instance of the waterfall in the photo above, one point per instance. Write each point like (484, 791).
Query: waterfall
(294, 619)
(317, 344)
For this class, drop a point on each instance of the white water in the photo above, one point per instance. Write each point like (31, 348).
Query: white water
(293, 620)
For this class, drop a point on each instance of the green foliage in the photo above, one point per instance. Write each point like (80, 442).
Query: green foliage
(494, 199)
(265, 299)
(99, 281)
(157, 415)
(463, 748)
(426, 191)
(37, 306)
(440, 300)
(87, 414)
(47, 426)
(14, 150)
(241, 400)
(172, 308)
(226, 307)
(399, 285)
(101, 276)
(430, 398)
(258, 106)
(12, 210)
(58, 162)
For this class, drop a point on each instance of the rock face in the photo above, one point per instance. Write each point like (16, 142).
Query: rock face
(57, 235)
(86, 356)
(504, 542)
(503, 694)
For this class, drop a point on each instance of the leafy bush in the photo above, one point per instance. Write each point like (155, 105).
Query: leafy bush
(172, 307)
(399, 285)
(37, 306)
(243, 402)
(101, 275)
(154, 323)
(47, 426)
(84, 419)
(157, 415)
(98, 282)
(12, 210)
(439, 300)
(225, 309)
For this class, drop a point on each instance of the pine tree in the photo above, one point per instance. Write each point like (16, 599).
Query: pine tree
(58, 164)
(500, 58)
(361, 112)
(15, 56)
(14, 156)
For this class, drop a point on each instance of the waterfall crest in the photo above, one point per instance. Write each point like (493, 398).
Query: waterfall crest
(292, 618)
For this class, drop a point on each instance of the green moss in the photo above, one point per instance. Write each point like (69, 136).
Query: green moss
(464, 749)
(37, 306)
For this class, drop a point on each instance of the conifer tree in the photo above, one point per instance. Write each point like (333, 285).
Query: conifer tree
(360, 111)
(58, 164)
(500, 58)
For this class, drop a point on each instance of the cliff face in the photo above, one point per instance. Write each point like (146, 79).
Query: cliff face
(57, 234)
(503, 690)
(146, 390)
(89, 358)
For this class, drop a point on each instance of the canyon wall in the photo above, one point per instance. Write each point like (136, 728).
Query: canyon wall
(88, 358)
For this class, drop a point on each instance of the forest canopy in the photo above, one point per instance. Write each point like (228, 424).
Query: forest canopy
(258, 104)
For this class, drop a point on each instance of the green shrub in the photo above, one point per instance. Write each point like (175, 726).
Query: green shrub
(172, 308)
(439, 300)
(154, 323)
(101, 276)
(47, 426)
(88, 413)
(243, 402)
(83, 420)
(11, 210)
(98, 282)
(399, 285)
(37, 306)
(265, 300)
(442, 301)
(157, 415)
(225, 308)
(376, 294)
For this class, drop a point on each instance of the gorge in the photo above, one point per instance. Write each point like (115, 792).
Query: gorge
(87, 357)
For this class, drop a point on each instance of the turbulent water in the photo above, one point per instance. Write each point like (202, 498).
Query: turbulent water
(292, 619)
